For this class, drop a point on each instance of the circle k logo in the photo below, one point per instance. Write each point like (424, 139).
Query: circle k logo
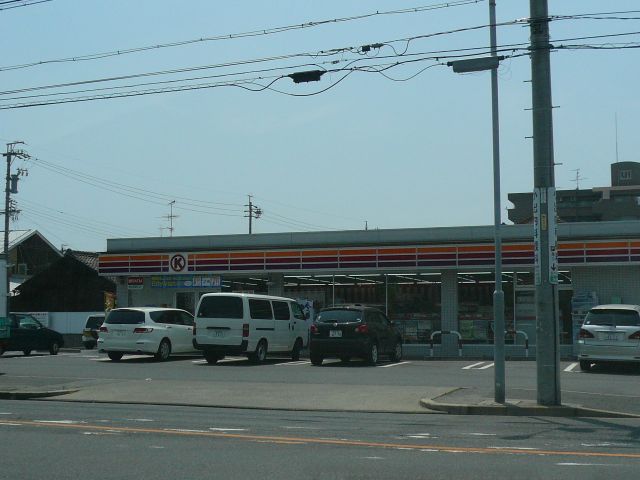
(178, 262)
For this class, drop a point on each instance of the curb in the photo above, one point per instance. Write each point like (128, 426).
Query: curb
(26, 395)
(517, 410)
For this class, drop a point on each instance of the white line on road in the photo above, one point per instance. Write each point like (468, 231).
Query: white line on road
(301, 362)
(486, 366)
(393, 364)
(469, 367)
(571, 367)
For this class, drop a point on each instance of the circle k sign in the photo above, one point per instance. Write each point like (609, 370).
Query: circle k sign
(178, 263)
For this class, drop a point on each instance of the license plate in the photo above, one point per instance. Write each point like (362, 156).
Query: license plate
(335, 333)
(611, 336)
(218, 333)
(120, 333)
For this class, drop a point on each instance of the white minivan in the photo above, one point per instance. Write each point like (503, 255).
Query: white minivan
(249, 324)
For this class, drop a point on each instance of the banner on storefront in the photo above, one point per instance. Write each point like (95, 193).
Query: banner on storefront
(185, 281)
(135, 283)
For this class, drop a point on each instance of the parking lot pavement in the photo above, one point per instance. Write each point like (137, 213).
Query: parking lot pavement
(410, 386)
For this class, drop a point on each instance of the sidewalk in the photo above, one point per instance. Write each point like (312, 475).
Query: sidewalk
(469, 401)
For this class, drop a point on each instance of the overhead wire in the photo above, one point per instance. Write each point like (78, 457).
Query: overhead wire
(253, 33)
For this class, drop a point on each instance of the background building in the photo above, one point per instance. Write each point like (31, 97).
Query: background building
(620, 201)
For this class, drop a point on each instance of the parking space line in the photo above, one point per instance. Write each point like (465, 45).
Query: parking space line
(393, 364)
(486, 366)
(571, 367)
(469, 367)
(300, 362)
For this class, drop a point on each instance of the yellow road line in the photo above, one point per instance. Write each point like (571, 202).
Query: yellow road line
(324, 441)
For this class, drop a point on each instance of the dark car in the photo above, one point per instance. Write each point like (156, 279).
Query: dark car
(353, 331)
(27, 334)
(91, 329)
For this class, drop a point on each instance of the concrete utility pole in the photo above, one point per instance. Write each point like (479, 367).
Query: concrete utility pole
(10, 187)
(498, 294)
(252, 212)
(544, 208)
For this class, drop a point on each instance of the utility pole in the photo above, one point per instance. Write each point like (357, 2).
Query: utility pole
(498, 293)
(544, 208)
(11, 186)
(252, 212)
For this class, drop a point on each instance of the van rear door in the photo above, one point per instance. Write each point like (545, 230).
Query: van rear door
(219, 320)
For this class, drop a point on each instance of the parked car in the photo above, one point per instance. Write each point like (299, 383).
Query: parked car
(26, 334)
(149, 330)
(353, 331)
(610, 333)
(91, 329)
(248, 324)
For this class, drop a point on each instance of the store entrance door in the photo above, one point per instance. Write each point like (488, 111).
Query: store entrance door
(186, 301)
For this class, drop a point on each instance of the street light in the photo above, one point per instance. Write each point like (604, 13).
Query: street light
(478, 65)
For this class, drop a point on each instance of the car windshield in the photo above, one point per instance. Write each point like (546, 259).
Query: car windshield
(94, 322)
(339, 316)
(613, 317)
(125, 317)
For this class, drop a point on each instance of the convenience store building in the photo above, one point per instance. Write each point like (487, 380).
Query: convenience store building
(426, 279)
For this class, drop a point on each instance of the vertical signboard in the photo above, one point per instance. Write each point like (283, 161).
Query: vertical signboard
(553, 235)
(4, 321)
(537, 231)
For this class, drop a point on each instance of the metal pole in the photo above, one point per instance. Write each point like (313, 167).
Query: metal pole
(7, 206)
(498, 294)
(547, 346)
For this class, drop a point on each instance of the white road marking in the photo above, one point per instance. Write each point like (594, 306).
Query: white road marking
(469, 367)
(63, 422)
(483, 434)
(586, 464)
(300, 362)
(228, 429)
(11, 424)
(486, 366)
(140, 419)
(373, 458)
(393, 364)
(6, 413)
(224, 360)
(571, 367)
(99, 433)
(184, 430)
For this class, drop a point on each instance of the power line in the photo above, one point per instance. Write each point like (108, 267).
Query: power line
(23, 3)
(252, 33)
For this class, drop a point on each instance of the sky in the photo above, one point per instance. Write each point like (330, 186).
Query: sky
(406, 147)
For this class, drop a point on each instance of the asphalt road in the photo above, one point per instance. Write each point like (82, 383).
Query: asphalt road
(79, 441)
(615, 389)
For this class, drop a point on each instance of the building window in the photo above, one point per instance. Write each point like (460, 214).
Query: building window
(625, 175)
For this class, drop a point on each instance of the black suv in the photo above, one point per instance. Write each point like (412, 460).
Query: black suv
(353, 331)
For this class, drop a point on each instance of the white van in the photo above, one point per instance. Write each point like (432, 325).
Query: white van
(248, 324)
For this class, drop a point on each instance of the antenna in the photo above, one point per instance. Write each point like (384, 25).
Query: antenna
(170, 217)
(616, 123)
(578, 178)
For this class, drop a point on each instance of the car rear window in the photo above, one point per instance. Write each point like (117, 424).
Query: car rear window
(220, 307)
(613, 317)
(339, 316)
(94, 322)
(125, 317)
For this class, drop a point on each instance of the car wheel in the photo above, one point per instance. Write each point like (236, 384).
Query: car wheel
(211, 357)
(396, 355)
(54, 348)
(115, 356)
(260, 355)
(164, 350)
(27, 352)
(297, 348)
(316, 359)
(345, 359)
(89, 346)
(585, 365)
(372, 357)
